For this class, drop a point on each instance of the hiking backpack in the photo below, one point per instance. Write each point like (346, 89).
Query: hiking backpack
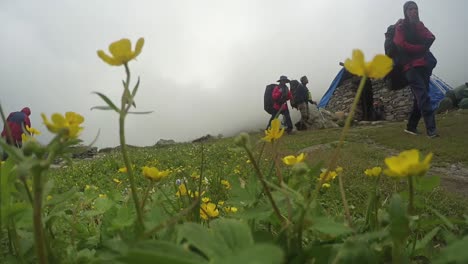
(268, 99)
(395, 79)
(294, 84)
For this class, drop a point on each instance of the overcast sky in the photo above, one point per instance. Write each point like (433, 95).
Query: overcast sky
(205, 63)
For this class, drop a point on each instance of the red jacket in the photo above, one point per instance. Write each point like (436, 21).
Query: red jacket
(415, 48)
(278, 98)
(16, 121)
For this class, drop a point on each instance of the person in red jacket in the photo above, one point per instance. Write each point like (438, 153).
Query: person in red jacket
(414, 40)
(17, 122)
(281, 95)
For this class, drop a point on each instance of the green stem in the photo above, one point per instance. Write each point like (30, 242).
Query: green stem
(126, 158)
(336, 155)
(145, 196)
(265, 187)
(411, 195)
(39, 238)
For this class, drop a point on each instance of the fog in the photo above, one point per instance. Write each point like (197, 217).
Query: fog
(205, 63)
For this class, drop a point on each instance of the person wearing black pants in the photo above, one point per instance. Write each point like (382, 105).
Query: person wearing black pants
(414, 40)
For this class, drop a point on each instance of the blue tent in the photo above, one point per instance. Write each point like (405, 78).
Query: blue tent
(437, 90)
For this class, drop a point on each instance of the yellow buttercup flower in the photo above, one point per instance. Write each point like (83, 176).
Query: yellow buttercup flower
(70, 123)
(208, 210)
(374, 172)
(121, 52)
(154, 174)
(32, 131)
(26, 138)
(182, 190)
(117, 181)
(205, 199)
(326, 185)
(226, 184)
(274, 132)
(407, 163)
(292, 160)
(123, 169)
(327, 176)
(379, 67)
(230, 209)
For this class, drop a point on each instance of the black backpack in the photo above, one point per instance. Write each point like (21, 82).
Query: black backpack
(294, 85)
(395, 80)
(268, 99)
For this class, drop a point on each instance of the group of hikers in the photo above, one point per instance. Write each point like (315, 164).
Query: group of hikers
(277, 96)
(408, 43)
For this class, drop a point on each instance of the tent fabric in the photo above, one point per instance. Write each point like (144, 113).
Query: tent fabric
(327, 96)
(437, 90)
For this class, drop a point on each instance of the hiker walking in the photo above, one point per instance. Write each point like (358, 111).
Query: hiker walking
(281, 95)
(302, 98)
(16, 121)
(413, 40)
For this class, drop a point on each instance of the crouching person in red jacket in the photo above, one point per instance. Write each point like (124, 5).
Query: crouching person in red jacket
(16, 121)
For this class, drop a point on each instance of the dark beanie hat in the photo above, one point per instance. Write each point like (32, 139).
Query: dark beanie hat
(407, 5)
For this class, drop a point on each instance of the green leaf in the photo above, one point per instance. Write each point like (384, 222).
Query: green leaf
(327, 226)
(399, 222)
(421, 244)
(203, 239)
(427, 184)
(235, 234)
(454, 252)
(443, 218)
(108, 101)
(162, 252)
(141, 113)
(102, 108)
(124, 218)
(256, 254)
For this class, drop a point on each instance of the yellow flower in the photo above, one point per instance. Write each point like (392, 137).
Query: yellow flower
(208, 210)
(327, 176)
(374, 172)
(379, 67)
(292, 160)
(326, 185)
(49, 197)
(121, 52)
(339, 169)
(154, 174)
(103, 196)
(407, 163)
(117, 181)
(182, 190)
(123, 169)
(205, 199)
(32, 131)
(195, 194)
(220, 202)
(274, 132)
(230, 209)
(70, 123)
(226, 184)
(26, 138)
(195, 176)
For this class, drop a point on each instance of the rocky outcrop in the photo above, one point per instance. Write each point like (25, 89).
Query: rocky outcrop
(397, 104)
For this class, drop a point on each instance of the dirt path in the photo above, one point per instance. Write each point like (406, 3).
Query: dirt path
(454, 177)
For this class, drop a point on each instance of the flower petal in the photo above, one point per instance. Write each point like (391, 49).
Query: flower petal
(379, 67)
(121, 50)
(356, 65)
(107, 59)
(139, 47)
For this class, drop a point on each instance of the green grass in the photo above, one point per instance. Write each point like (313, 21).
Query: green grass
(365, 147)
